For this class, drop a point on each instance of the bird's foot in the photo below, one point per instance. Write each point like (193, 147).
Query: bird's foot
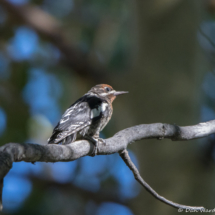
(95, 151)
(96, 141)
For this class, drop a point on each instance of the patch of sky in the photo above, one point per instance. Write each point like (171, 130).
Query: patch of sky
(41, 93)
(91, 168)
(24, 44)
(109, 208)
(18, 2)
(94, 169)
(4, 67)
(63, 172)
(24, 169)
(127, 184)
(16, 190)
(3, 121)
(59, 8)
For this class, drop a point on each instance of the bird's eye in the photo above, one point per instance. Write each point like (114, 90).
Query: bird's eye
(107, 89)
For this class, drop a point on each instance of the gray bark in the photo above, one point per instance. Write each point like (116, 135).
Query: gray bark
(28, 152)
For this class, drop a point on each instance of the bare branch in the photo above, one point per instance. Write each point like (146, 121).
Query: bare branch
(15, 152)
(124, 155)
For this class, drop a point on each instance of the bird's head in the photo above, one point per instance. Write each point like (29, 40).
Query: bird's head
(106, 91)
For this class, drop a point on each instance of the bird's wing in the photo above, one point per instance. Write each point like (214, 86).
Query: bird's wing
(75, 118)
(78, 116)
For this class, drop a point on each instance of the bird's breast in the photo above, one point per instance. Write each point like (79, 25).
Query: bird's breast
(99, 111)
(100, 115)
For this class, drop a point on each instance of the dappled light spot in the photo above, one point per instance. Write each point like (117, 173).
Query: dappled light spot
(36, 169)
(98, 168)
(128, 186)
(93, 165)
(25, 168)
(18, 2)
(16, 190)
(24, 44)
(63, 172)
(41, 93)
(20, 168)
(91, 168)
(92, 183)
(110, 208)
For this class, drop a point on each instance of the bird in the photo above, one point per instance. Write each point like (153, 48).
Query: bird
(85, 118)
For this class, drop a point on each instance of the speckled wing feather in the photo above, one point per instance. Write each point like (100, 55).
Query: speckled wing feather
(76, 118)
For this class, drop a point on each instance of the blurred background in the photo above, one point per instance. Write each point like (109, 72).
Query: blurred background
(161, 51)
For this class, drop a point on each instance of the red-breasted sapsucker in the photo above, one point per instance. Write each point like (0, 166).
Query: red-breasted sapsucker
(85, 118)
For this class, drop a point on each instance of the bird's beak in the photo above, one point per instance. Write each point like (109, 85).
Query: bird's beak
(119, 93)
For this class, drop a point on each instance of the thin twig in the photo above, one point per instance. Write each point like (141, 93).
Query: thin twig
(126, 158)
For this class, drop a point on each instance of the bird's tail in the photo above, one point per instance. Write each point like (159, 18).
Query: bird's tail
(57, 137)
(69, 139)
(53, 139)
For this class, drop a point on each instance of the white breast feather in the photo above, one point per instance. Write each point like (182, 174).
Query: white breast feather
(104, 105)
(95, 112)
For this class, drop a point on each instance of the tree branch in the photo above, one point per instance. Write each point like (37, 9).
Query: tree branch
(124, 155)
(15, 152)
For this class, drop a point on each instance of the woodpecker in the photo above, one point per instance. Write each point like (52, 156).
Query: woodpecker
(85, 118)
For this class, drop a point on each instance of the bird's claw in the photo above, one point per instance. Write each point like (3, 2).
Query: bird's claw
(95, 151)
(96, 148)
